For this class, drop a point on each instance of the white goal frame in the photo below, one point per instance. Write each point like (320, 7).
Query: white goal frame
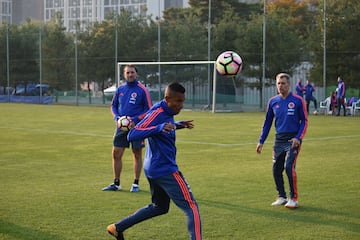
(119, 64)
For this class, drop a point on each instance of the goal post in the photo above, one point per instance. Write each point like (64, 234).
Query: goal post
(156, 74)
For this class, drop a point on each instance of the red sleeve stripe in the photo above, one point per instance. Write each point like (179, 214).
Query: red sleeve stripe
(151, 118)
(305, 114)
(147, 95)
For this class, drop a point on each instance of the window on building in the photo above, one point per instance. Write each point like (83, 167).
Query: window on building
(74, 3)
(49, 3)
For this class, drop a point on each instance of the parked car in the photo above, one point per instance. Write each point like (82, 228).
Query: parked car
(32, 89)
(6, 90)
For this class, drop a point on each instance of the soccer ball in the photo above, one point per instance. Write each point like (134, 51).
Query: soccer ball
(228, 64)
(124, 123)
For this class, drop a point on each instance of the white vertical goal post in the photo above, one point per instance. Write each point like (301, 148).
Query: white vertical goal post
(214, 78)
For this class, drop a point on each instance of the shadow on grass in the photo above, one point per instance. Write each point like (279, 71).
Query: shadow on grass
(323, 216)
(24, 233)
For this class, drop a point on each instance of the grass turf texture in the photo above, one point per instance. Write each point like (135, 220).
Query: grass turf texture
(54, 160)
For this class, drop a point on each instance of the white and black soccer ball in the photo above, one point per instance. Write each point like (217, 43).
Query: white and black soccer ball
(228, 64)
(124, 123)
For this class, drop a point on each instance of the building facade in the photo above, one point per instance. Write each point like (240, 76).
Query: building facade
(5, 11)
(26, 9)
(85, 12)
(82, 12)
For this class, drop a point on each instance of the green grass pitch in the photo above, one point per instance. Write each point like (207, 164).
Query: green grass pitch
(54, 160)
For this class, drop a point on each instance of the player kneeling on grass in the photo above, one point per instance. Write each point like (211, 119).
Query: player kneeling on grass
(289, 111)
(161, 169)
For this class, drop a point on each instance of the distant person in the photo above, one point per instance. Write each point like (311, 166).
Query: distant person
(333, 102)
(350, 103)
(309, 89)
(340, 95)
(291, 123)
(166, 181)
(131, 99)
(299, 88)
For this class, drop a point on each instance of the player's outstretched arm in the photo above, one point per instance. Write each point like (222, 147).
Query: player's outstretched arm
(184, 124)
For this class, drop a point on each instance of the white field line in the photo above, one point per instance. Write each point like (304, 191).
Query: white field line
(59, 132)
(179, 141)
(254, 143)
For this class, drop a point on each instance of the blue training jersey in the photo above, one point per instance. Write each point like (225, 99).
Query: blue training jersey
(131, 99)
(160, 155)
(290, 116)
(299, 89)
(309, 89)
(341, 91)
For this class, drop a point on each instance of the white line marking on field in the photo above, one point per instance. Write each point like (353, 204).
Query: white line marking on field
(254, 143)
(217, 144)
(179, 141)
(60, 132)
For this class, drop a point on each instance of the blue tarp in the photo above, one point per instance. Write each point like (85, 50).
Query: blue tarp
(27, 99)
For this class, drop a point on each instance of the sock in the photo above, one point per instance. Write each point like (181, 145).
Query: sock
(136, 181)
(117, 182)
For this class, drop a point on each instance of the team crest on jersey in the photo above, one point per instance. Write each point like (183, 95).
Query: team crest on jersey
(133, 98)
(291, 108)
(291, 105)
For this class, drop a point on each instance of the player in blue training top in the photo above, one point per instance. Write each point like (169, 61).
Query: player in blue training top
(161, 169)
(291, 123)
(131, 99)
(340, 95)
(299, 88)
(309, 89)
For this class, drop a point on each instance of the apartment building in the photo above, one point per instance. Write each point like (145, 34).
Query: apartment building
(5, 11)
(82, 12)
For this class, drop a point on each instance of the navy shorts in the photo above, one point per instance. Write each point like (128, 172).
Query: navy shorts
(120, 140)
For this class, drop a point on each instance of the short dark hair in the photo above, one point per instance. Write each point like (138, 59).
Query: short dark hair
(131, 66)
(176, 87)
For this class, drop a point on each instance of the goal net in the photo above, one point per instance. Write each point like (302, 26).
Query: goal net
(205, 88)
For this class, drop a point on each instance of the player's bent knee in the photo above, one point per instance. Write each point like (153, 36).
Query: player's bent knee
(161, 209)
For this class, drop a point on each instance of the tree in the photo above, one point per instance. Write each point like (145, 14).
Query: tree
(25, 58)
(135, 42)
(185, 39)
(295, 13)
(227, 30)
(97, 52)
(3, 56)
(284, 42)
(23, 53)
(58, 55)
(219, 8)
(342, 42)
